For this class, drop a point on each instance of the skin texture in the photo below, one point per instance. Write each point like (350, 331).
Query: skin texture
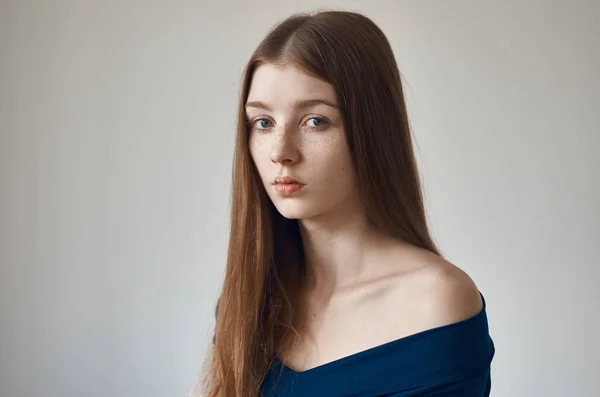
(364, 289)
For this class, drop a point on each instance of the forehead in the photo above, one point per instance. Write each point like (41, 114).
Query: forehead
(278, 84)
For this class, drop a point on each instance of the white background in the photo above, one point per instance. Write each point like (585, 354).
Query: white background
(116, 142)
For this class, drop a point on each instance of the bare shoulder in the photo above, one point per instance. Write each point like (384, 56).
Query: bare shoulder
(440, 292)
(448, 294)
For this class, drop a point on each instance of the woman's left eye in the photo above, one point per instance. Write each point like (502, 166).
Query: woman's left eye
(317, 122)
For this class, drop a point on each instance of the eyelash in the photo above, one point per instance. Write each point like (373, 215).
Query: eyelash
(323, 119)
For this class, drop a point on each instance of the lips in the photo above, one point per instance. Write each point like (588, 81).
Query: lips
(287, 189)
(285, 180)
(286, 185)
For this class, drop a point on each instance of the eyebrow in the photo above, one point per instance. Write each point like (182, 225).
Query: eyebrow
(299, 104)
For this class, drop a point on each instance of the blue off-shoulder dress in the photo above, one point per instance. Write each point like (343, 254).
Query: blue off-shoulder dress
(448, 361)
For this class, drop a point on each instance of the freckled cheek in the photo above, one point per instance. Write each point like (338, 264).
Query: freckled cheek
(259, 157)
(258, 150)
(329, 160)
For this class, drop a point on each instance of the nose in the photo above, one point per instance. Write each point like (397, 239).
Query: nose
(285, 149)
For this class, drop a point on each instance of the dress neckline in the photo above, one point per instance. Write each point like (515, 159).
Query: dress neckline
(382, 347)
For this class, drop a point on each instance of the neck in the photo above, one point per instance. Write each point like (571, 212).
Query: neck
(338, 250)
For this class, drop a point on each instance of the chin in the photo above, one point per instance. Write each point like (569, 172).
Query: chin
(296, 210)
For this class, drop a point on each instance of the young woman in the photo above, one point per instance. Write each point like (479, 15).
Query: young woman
(333, 284)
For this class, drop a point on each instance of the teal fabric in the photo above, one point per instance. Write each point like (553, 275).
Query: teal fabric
(449, 361)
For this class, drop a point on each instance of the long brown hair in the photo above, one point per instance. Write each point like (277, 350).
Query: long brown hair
(265, 264)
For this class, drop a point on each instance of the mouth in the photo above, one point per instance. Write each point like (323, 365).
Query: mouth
(285, 179)
(288, 189)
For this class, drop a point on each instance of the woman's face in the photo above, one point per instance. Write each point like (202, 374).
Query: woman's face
(296, 131)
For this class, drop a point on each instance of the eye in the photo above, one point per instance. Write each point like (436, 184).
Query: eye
(318, 122)
(262, 124)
